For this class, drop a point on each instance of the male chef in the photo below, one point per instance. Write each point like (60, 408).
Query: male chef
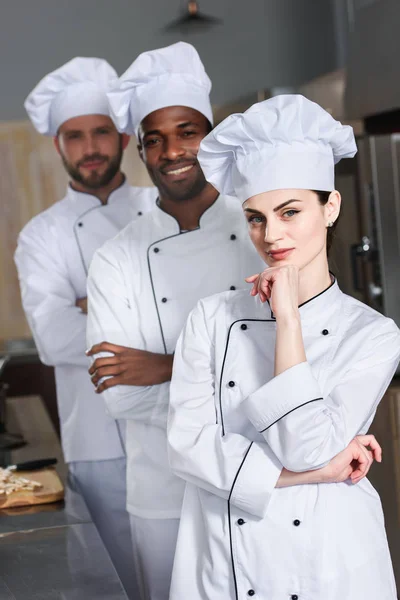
(140, 286)
(53, 256)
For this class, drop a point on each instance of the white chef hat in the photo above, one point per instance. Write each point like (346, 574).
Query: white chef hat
(77, 88)
(287, 142)
(171, 76)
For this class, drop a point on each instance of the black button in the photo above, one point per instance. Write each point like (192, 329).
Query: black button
(295, 597)
(233, 237)
(252, 593)
(296, 522)
(232, 288)
(80, 224)
(140, 213)
(324, 332)
(231, 384)
(164, 300)
(156, 250)
(241, 522)
(244, 327)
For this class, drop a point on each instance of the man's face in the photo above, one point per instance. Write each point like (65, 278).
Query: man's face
(91, 149)
(169, 143)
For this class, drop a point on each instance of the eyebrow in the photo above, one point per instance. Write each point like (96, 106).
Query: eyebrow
(180, 126)
(258, 212)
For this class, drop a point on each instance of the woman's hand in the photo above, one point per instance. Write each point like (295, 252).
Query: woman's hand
(280, 286)
(353, 464)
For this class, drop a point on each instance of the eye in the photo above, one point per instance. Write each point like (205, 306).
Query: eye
(256, 219)
(188, 133)
(73, 136)
(103, 131)
(151, 142)
(290, 213)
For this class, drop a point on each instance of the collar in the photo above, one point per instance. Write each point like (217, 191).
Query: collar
(321, 309)
(84, 202)
(210, 218)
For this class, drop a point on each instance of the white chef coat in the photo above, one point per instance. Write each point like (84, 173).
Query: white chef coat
(141, 288)
(233, 426)
(53, 256)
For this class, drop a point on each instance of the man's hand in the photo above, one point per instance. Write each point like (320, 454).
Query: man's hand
(82, 304)
(353, 464)
(128, 366)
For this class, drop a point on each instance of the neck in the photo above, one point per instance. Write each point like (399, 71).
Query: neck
(188, 212)
(102, 193)
(314, 278)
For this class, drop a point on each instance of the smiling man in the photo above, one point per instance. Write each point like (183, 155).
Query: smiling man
(143, 284)
(53, 257)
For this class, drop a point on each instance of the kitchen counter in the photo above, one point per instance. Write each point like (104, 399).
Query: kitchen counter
(53, 551)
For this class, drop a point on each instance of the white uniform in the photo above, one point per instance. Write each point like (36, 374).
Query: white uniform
(141, 288)
(53, 256)
(232, 428)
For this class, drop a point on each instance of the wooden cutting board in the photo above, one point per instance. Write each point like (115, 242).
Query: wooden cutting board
(52, 489)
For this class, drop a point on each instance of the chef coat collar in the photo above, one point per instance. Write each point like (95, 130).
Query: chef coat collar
(84, 201)
(321, 307)
(210, 218)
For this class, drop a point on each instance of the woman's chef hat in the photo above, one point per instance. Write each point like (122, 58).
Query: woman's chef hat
(171, 76)
(77, 88)
(287, 142)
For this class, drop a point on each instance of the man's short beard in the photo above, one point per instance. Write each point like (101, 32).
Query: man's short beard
(95, 181)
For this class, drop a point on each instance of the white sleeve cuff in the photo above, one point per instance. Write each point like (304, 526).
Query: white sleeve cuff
(282, 395)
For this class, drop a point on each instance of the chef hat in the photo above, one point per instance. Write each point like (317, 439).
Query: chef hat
(171, 76)
(77, 88)
(287, 142)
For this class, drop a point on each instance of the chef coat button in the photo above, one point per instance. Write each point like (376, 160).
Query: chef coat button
(324, 332)
(251, 593)
(296, 522)
(80, 224)
(232, 288)
(244, 327)
(233, 237)
(156, 250)
(231, 384)
(295, 597)
(241, 521)
(164, 300)
(140, 213)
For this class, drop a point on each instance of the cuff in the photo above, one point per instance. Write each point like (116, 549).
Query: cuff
(282, 395)
(256, 480)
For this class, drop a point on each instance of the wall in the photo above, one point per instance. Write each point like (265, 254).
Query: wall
(262, 43)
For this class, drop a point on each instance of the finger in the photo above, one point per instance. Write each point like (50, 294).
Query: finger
(103, 362)
(254, 290)
(372, 442)
(364, 459)
(263, 297)
(105, 347)
(252, 278)
(107, 372)
(108, 383)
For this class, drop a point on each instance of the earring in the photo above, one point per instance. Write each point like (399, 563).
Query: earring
(330, 224)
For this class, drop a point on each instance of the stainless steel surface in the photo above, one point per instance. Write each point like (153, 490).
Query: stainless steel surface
(54, 552)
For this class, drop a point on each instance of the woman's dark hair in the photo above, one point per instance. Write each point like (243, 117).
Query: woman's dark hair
(323, 198)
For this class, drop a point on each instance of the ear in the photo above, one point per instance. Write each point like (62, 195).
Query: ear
(332, 207)
(140, 150)
(125, 140)
(56, 143)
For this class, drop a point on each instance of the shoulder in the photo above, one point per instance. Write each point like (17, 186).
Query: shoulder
(150, 193)
(369, 328)
(48, 220)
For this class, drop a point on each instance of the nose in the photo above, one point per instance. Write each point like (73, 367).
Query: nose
(91, 145)
(172, 149)
(273, 231)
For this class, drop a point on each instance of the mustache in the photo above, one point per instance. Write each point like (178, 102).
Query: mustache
(91, 158)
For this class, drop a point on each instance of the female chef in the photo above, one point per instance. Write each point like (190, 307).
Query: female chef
(279, 380)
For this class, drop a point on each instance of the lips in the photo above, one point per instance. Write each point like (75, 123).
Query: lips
(280, 254)
(95, 164)
(177, 170)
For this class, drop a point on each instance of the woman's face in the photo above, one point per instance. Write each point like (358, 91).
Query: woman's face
(290, 226)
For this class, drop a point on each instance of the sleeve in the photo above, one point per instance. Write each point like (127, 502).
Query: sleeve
(114, 318)
(229, 466)
(48, 299)
(306, 428)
